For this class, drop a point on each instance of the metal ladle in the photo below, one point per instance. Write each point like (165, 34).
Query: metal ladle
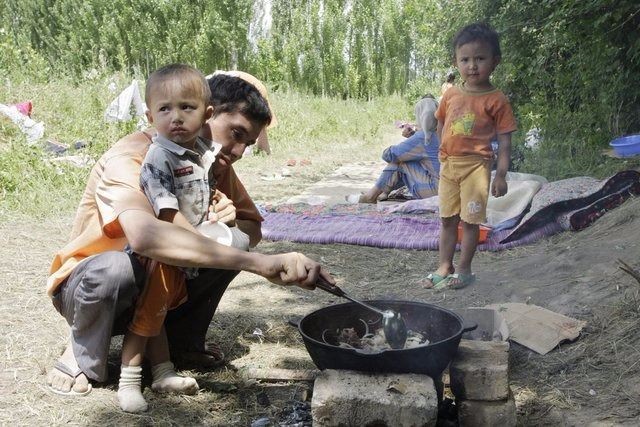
(395, 330)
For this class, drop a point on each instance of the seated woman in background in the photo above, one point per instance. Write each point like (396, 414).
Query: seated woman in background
(413, 162)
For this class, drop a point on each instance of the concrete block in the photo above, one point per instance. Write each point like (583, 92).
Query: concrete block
(480, 370)
(491, 324)
(350, 398)
(478, 413)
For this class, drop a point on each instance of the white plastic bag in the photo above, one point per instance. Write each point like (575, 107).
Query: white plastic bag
(129, 99)
(33, 130)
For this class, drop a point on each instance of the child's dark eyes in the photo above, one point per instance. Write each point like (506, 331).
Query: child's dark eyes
(479, 58)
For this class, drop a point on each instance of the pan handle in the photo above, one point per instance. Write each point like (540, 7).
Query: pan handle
(294, 321)
(326, 286)
(468, 327)
(335, 290)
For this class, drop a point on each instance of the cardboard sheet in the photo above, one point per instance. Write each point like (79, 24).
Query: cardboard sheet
(537, 328)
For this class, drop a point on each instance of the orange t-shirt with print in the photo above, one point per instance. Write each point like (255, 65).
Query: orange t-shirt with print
(471, 120)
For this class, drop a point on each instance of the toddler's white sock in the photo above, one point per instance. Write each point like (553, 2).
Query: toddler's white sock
(166, 380)
(130, 389)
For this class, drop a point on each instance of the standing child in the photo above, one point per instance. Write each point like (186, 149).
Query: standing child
(177, 178)
(469, 117)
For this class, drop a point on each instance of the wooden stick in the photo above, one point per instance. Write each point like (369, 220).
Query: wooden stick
(278, 374)
(629, 270)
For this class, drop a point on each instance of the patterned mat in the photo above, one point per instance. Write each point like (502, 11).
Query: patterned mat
(575, 203)
(364, 225)
(562, 205)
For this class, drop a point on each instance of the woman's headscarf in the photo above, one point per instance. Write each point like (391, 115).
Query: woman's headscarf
(425, 113)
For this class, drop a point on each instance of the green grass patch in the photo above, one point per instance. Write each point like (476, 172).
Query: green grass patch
(32, 183)
(327, 131)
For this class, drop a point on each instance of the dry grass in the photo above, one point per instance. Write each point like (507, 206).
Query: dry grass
(32, 334)
(601, 371)
(552, 389)
(604, 359)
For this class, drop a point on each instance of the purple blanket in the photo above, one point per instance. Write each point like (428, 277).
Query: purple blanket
(381, 231)
(563, 205)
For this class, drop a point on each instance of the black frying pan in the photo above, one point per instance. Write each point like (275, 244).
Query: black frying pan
(443, 328)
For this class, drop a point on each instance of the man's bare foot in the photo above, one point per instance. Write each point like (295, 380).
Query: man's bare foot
(66, 377)
(212, 357)
(372, 195)
(364, 199)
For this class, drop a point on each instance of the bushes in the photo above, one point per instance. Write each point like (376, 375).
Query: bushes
(569, 66)
(572, 63)
(126, 35)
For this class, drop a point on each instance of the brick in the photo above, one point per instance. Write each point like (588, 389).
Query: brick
(480, 370)
(478, 413)
(350, 398)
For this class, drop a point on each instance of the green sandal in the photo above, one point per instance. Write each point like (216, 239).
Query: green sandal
(432, 280)
(464, 280)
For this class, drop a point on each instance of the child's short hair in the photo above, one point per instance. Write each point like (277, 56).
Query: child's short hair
(478, 31)
(230, 94)
(184, 76)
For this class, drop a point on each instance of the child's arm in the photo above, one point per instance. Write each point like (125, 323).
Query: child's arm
(222, 209)
(174, 216)
(439, 130)
(499, 185)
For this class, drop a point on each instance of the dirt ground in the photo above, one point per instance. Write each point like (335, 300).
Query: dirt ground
(592, 381)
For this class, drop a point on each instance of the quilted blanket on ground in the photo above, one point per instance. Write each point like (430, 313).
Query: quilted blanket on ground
(570, 204)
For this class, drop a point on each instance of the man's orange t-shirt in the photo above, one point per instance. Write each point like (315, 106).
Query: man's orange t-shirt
(113, 187)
